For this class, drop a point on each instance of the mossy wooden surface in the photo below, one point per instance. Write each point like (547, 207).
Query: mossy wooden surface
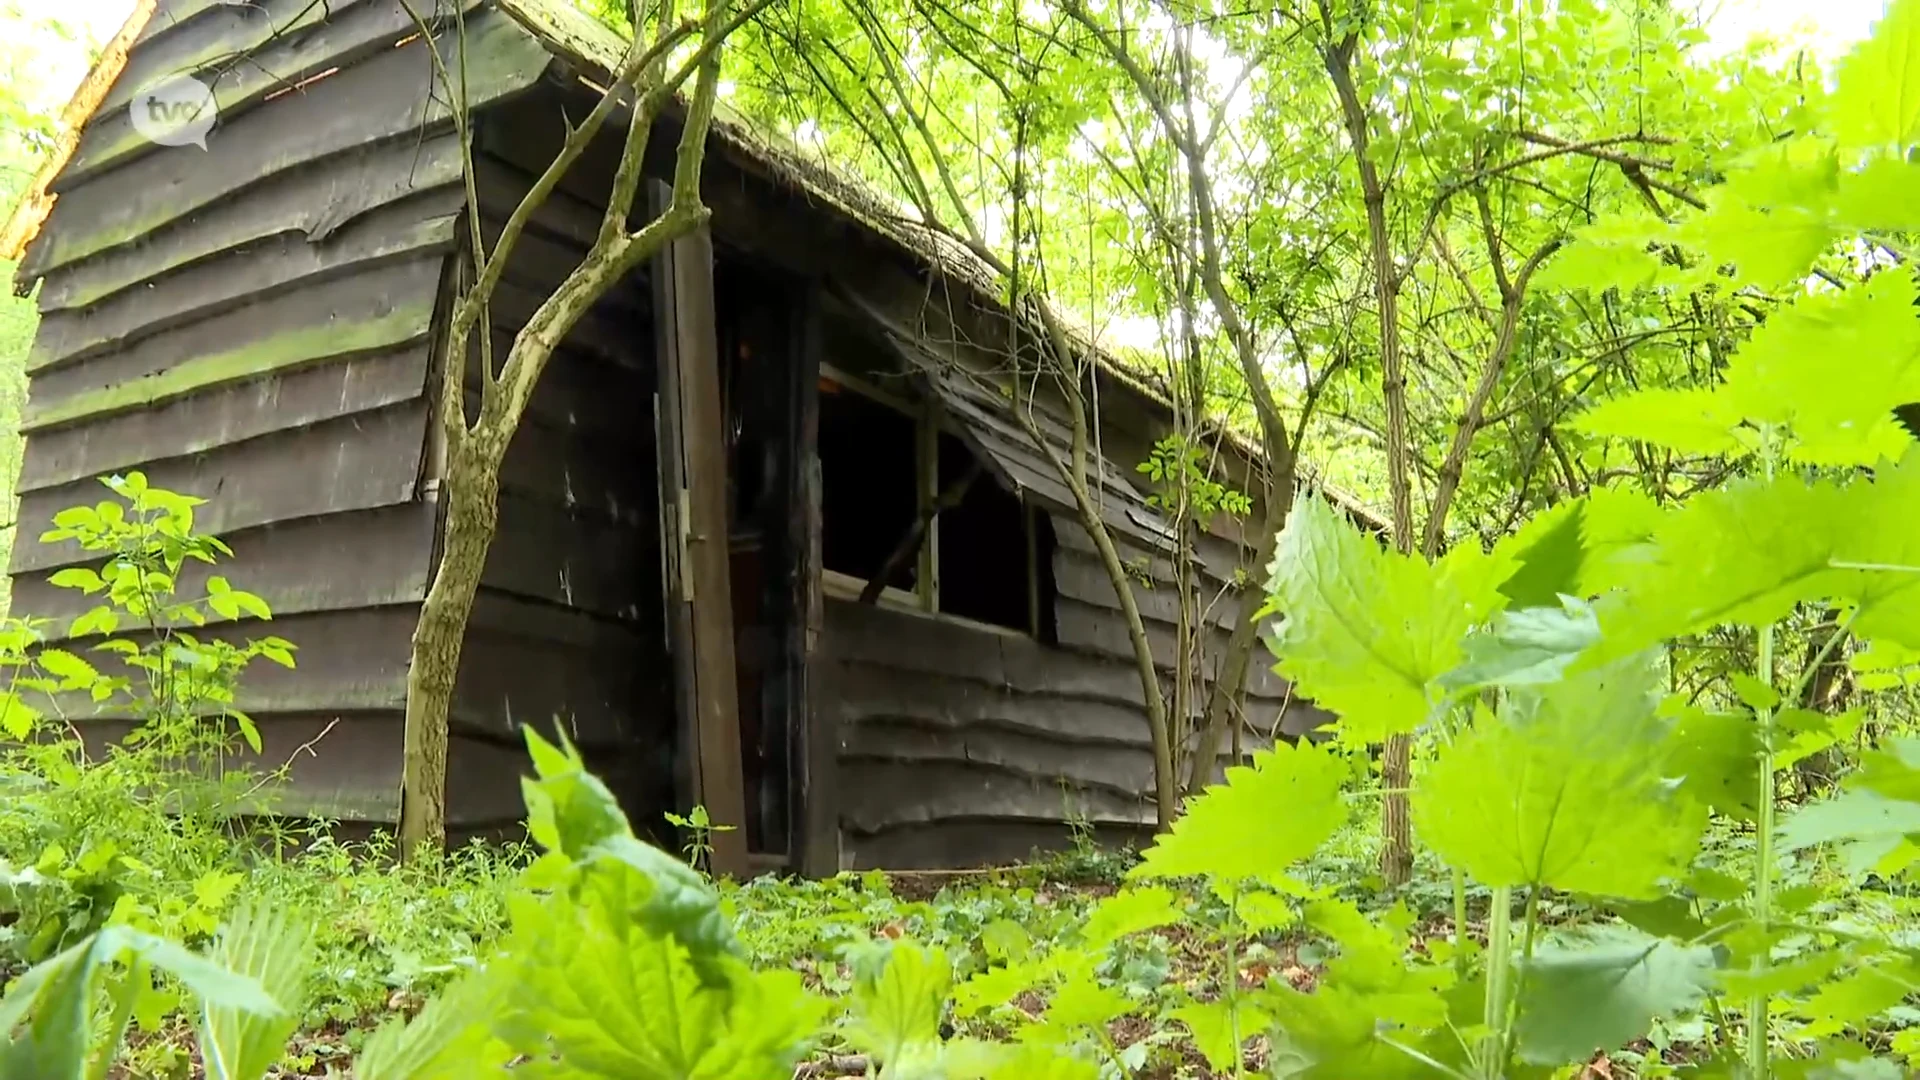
(312, 42)
(311, 202)
(283, 352)
(353, 463)
(384, 97)
(224, 415)
(254, 276)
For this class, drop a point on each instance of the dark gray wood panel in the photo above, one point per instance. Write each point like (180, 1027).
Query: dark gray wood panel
(281, 264)
(309, 203)
(543, 551)
(353, 463)
(1125, 771)
(527, 663)
(378, 309)
(368, 558)
(960, 845)
(876, 796)
(224, 415)
(861, 692)
(386, 97)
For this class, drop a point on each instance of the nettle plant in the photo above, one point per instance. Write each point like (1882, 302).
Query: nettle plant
(167, 785)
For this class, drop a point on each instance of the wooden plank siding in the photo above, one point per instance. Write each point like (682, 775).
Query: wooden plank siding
(569, 627)
(256, 324)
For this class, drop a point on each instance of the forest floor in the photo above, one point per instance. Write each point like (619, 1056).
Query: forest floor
(388, 939)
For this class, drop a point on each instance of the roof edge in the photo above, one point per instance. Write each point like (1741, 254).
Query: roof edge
(23, 224)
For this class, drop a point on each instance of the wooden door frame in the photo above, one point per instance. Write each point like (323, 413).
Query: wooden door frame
(693, 518)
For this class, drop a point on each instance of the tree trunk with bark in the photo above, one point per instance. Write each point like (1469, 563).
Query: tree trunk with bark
(475, 449)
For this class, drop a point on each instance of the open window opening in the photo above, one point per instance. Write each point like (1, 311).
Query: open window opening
(908, 505)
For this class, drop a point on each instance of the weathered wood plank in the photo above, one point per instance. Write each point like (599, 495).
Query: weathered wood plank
(172, 15)
(258, 32)
(1101, 631)
(501, 187)
(959, 845)
(689, 348)
(279, 265)
(386, 97)
(553, 466)
(378, 310)
(225, 415)
(353, 463)
(878, 796)
(529, 663)
(862, 692)
(1123, 770)
(346, 768)
(544, 552)
(813, 840)
(585, 396)
(369, 558)
(345, 661)
(310, 203)
(600, 334)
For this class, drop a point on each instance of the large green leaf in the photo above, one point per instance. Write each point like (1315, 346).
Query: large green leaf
(57, 995)
(1266, 817)
(1364, 629)
(1748, 553)
(1691, 420)
(900, 1007)
(1563, 789)
(1876, 99)
(1220, 1029)
(1552, 550)
(608, 996)
(1603, 988)
(276, 948)
(452, 1038)
(1527, 647)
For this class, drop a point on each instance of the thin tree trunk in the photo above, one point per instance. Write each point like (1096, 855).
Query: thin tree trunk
(472, 512)
(1229, 686)
(475, 452)
(1396, 852)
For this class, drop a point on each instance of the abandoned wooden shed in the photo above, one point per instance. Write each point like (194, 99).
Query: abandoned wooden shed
(260, 322)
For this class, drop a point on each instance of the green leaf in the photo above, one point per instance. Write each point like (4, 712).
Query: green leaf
(1129, 911)
(1876, 98)
(1220, 1029)
(1883, 195)
(277, 949)
(1748, 553)
(1716, 756)
(901, 1007)
(1364, 629)
(77, 577)
(1563, 789)
(450, 1039)
(1228, 831)
(1754, 693)
(17, 718)
(73, 672)
(1849, 816)
(1766, 247)
(1603, 988)
(1551, 559)
(1082, 1002)
(1529, 647)
(1692, 421)
(1863, 994)
(251, 604)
